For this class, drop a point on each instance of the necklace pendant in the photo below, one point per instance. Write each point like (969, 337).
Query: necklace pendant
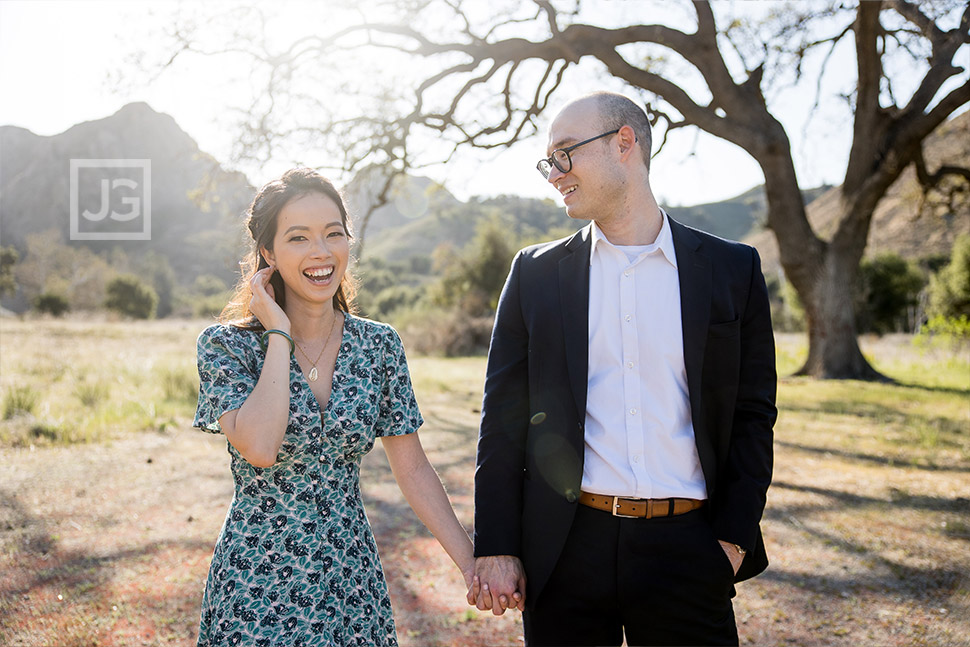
(313, 374)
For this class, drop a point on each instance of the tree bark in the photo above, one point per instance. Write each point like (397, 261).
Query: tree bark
(833, 347)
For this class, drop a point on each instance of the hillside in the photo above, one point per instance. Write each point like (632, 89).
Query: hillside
(195, 203)
(436, 217)
(897, 224)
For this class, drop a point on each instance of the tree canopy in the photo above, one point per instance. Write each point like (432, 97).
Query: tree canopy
(482, 75)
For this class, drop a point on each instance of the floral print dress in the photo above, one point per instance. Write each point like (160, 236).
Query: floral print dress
(296, 563)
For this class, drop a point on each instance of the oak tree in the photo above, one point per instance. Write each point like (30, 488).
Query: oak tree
(481, 75)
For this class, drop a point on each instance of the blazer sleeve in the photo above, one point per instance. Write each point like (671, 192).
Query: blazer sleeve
(749, 464)
(500, 464)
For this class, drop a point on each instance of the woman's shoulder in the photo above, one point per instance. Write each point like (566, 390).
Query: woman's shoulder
(229, 335)
(370, 330)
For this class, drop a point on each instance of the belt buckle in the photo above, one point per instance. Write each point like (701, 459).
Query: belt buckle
(616, 505)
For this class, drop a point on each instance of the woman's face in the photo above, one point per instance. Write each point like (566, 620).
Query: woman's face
(310, 249)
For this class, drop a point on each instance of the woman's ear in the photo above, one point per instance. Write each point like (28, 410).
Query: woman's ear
(268, 256)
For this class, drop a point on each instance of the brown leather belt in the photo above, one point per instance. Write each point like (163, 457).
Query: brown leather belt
(639, 508)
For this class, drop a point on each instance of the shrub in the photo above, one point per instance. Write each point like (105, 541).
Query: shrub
(8, 258)
(51, 303)
(209, 306)
(950, 287)
(447, 332)
(887, 293)
(91, 394)
(19, 400)
(130, 296)
(953, 332)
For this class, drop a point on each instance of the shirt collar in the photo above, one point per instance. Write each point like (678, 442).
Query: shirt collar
(664, 241)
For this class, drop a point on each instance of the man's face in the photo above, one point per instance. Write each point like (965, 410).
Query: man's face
(586, 186)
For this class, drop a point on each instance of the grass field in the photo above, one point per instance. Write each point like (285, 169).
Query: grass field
(110, 504)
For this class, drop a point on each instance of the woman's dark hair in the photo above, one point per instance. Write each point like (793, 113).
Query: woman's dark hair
(262, 217)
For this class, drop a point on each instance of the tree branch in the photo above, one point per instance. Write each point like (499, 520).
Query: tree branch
(931, 180)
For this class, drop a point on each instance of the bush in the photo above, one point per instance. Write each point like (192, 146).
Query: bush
(19, 400)
(887, 294)
(392, 299)
(209, 306)
(8, 258)
(952, 332)
(451, 333)
(787, 313)
(91, 394)
(51, 303)
(950, 287)
(130, 296)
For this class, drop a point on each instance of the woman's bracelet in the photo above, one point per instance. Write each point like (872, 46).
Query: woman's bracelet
(264, 343)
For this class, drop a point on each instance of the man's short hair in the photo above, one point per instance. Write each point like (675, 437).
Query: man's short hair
(617, 111)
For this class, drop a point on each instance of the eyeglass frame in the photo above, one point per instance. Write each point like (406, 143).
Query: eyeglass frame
(551, 160)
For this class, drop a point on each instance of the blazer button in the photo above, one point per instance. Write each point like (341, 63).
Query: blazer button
(571, 496)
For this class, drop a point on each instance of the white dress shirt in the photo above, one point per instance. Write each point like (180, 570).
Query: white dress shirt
(639, 436)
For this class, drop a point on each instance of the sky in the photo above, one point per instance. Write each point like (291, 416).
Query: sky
(56, 59)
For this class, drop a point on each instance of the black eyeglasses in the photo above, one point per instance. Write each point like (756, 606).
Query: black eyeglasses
(560, 157)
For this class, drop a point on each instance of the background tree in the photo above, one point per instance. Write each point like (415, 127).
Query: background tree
(472, 279)
(76, 273)
(486, 72)
(8, 258)
(130, 296)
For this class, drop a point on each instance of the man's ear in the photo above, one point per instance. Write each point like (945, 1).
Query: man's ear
(627, 140)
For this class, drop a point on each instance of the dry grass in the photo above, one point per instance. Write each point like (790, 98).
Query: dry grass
(108, 542)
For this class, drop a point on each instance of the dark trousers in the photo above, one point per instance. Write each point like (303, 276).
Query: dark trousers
(663, 581)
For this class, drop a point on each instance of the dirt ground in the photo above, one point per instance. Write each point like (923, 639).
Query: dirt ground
(109, 543)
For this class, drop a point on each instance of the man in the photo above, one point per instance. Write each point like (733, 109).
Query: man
(626, 437)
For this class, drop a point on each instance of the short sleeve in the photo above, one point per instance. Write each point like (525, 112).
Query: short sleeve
(226, 378)
(398, 413)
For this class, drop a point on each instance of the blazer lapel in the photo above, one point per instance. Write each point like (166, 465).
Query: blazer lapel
(694, 270)
(574, 297)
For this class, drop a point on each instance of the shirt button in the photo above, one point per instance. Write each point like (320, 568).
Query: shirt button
(629, 364)
(633, 412)
(626, 273)
(628, 317)
(636, 458)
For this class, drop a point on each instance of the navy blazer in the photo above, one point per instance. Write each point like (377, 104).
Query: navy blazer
(530, 450)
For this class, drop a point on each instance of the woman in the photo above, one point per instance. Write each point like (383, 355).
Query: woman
(301, 388)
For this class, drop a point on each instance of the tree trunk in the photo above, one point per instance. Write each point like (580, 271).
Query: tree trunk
(833, 347)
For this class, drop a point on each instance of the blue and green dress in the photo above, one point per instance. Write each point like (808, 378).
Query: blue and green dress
(296, 563)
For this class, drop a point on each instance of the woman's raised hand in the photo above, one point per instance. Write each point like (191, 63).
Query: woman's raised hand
(263, 304)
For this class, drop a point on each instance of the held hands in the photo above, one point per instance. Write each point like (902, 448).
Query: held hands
(263, 304)
(498, 584)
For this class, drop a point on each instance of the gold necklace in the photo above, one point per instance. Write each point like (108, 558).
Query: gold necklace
(313, 374)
